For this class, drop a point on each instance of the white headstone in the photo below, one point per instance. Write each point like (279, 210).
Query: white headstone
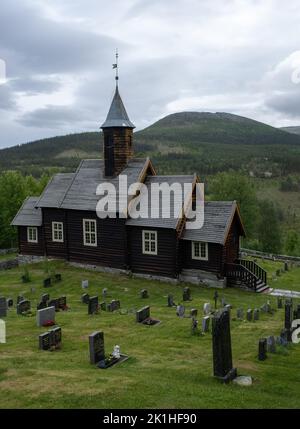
(207, 308)
(116, 352)
(85, 284)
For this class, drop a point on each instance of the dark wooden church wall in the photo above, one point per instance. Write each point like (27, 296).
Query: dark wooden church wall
(162, 264)
(111, 240)
(26, 248)
(213, 264)
(54, 248)
(231, 247)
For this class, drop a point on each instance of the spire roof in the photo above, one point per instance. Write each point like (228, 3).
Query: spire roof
(117, 115)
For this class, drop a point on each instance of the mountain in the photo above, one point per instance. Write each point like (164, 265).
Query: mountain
(292, 130)
(178, 143)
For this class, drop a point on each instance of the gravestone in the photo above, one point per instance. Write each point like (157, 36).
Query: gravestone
(10, 302)
(194, 326)
(143, 314)
(284, 335)
(57, 277)
(271, 344)
(55, 337)
(23, 306)
(288, 318)
(180, 310)
(144, 293)
(240, 314)
(20, 298)
(47, 282)
(228, 307)
(3, 307)
(102, 306)
(256, 314)
(279, 302)
(104, 293)
(93, 306)
(170, 301)
(62, 303)
(286, 266)
(262, 349)
(41, 305)
(2, 332)
(186, 296)
(45, 316)
(84, 284)
(207, 308)
(193, 312)
(44, 341)
(85, 298)
(223, 301)
(222, 354)
(249, 315)
(278, 272)
(216, 296)
(205, 324)
(54, 303)
(96, 345)
(114, 305)
(45, 297)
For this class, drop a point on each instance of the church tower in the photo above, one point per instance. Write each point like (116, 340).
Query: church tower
(117, 132)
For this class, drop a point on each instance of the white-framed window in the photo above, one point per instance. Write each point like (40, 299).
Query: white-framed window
(89, 232)
(58, 232)
(200, 250)
(32, 234)
(150, 242)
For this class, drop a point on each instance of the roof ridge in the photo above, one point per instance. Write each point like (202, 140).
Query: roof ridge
(71, 183)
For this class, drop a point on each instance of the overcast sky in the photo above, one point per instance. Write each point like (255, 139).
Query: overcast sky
(237, 56)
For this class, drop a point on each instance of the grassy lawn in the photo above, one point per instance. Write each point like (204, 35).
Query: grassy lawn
(7, 256)
(168, 367)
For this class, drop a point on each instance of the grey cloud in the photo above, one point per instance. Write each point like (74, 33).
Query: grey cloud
(34, 85)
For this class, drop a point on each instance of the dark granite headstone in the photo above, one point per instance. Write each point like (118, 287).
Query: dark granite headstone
(144, 293)
(262, 349)
(143, 314)
(62, 303)
(47, 282)
(45, 297)
(180, 310)
(54, 303)
(249, 315)
(57, 277)
(23, 306)
(3, 307)
(85, 298)
(114, 305)
(41, 305)
(288, 318)
(102, 306)
(20, 298)
(93, 306)
(286, 266)
(194, 326)
(256, 314)
(44, 341)
(186, 296)
(279, 302)
(10, 302)
(96, 343)
(222, 354)
(55, 337)
(216, 296)
(170, 301)
(193, 312)
(284, 335)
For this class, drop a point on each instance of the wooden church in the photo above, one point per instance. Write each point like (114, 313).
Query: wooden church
(63, 223)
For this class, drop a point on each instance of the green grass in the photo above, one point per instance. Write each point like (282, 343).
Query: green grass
(7, 256)
(168, 367)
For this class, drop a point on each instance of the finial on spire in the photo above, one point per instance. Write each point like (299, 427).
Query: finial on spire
(115, 66)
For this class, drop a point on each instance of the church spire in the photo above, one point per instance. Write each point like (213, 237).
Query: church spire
(117, 132)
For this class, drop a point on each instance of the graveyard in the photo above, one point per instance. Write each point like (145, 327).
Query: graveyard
(168, 365)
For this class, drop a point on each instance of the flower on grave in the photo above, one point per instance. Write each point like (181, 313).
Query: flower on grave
(48, 323)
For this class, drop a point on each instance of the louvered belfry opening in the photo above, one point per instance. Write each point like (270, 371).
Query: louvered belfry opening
(117, 132)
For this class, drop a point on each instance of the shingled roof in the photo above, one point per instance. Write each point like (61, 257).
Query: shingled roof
(175, 214)
(28, 215)
(78, 190)
(117, 115)
(218, 216)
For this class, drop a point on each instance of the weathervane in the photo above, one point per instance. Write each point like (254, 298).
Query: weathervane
(115, 66)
